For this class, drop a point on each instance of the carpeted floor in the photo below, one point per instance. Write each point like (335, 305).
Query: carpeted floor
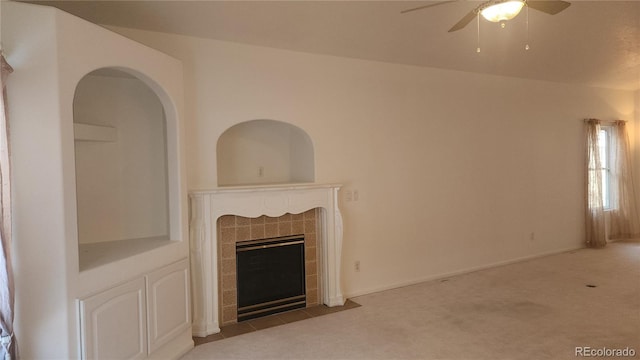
(538, 309)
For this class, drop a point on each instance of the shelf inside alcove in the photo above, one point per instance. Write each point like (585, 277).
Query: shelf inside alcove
(92, 255)
(88, 132)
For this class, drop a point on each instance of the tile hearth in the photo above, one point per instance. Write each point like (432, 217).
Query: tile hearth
(272, 321)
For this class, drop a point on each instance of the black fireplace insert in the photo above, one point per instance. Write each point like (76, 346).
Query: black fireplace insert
(270, 276)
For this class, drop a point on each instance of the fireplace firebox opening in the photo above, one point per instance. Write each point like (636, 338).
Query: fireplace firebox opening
(270, 276)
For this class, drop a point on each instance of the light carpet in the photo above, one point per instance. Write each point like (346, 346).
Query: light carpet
(537, 309)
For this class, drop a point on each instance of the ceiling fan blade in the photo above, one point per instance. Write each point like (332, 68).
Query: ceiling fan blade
(427, 6)
(465, 20)
(548, 6)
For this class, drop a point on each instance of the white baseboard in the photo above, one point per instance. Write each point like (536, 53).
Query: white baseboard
(205, 330)
(175, 348)
(457, 272)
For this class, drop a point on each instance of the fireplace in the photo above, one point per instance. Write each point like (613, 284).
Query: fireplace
(213, 251)
(233, 230)
(271, 276)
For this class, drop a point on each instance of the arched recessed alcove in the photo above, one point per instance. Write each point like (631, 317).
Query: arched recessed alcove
(121, 162)
(260, 152)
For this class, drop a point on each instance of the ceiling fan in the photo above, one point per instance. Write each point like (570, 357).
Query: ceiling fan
(500, 10)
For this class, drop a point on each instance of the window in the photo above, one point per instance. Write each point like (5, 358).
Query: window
(604, 147)
(604, 153)
(609, 184)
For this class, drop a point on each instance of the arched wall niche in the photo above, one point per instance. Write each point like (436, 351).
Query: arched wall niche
(262, 152)
(124, 126)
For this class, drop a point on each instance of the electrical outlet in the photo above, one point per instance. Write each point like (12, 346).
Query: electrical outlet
(356, 266)
(348, 195)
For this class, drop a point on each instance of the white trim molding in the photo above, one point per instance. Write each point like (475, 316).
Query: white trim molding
(274, 200)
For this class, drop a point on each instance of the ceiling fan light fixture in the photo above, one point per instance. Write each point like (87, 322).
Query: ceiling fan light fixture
(502, 10)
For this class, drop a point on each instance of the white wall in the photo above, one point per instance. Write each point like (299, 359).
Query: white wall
(454, 170)
(36, 157)
(121, 186)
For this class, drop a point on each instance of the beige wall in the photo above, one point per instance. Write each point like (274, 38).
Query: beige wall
(455, 171)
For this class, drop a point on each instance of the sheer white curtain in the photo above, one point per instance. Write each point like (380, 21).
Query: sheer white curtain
(8, 348)
(594, 214)
(623, 216)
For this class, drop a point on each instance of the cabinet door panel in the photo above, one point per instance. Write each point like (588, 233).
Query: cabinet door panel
(168, 299)
(113, 323)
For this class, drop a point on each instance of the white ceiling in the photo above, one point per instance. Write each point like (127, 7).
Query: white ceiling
(595, 43)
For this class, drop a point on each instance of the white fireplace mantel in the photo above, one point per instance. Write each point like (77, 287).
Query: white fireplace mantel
(273, 200)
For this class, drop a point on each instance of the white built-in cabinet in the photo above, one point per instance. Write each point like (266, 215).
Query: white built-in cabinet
(115, 316)
(168, 303)
(138, 317)
(101, 198)
(134, 297)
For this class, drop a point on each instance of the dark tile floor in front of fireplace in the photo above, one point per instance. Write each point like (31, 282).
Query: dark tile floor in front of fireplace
(273, 320)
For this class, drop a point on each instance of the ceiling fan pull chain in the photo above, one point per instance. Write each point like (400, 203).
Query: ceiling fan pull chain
(478, 18)
(526, 46)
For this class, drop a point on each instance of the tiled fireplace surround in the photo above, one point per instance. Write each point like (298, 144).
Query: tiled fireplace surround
(232, 229)
(221, 217)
